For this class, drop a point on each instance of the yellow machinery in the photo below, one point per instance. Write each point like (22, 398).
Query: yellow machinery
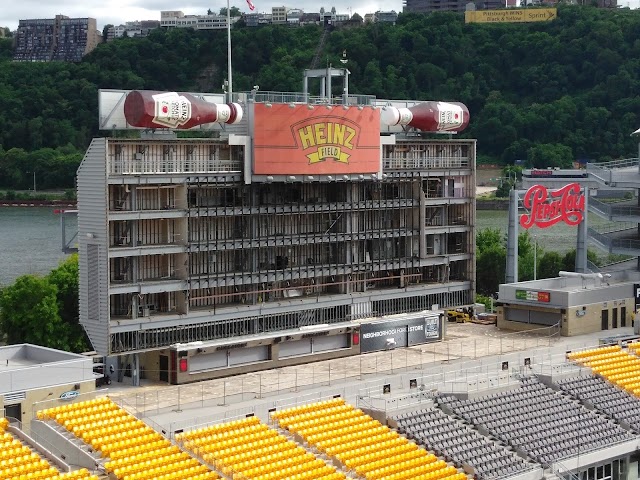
(460, 315)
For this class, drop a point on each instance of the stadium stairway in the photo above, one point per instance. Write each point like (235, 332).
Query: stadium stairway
(19, 461)
(73, 449)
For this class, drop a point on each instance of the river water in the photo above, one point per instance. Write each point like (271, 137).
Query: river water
(30, 241)
(30, 238)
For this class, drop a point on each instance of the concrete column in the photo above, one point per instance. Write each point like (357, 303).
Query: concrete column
(581, 239)
(135, 369)
(121, 365)
(253, 226)
(305, 88)
(422, 219)
(512, 239)
(345, 90)
(134, 259)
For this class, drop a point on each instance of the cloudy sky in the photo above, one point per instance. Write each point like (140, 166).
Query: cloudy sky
(119, 11)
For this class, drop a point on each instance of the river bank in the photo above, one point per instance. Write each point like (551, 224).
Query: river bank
(39, 203)
(492, 204)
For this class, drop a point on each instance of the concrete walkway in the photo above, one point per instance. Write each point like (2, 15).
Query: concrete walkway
(479, 349)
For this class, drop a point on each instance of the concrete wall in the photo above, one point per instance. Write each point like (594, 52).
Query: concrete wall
(39, 376)
(591, 320)
(30, 404)
(574, 321)
(151, 363)
(93, 241)
(60, 446)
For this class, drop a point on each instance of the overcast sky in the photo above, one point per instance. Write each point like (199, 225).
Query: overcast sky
(120, 11)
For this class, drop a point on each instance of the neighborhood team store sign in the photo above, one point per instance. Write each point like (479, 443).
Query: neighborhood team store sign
(548, 207)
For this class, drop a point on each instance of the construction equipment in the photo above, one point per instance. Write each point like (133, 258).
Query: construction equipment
(486, 319)
(460, 315)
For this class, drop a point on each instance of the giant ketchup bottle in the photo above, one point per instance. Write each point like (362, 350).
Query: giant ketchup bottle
(428, 116)
(149, 109)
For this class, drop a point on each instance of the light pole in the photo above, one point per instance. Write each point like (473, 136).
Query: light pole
(34, 181)
(229, 73)
(535, 257)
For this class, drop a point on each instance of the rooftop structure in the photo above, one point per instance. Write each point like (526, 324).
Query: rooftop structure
(30, 374)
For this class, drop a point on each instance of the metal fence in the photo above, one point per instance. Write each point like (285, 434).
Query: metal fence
(609, 172)
(228, 391)
(403, 163)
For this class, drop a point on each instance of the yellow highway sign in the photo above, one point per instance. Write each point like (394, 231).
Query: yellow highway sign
(511, 15)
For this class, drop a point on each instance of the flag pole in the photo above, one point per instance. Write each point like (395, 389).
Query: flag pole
(229, 74)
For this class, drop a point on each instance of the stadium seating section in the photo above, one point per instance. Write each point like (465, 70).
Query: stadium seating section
(249, 449)
(332, 440)
(361, 444)
(620, 367)
(539, 421)
(135, 450)
(19, 462)
(608, 399)
(453, 440)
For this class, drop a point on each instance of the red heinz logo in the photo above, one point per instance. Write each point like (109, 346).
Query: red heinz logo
(548, 207)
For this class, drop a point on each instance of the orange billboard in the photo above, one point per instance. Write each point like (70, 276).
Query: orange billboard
(322, 140)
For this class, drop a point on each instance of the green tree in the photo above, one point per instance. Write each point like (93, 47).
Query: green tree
(488, 238)
(546, 92)
(29, 313)
(490, 269)
(569, 260)
(234, 12)
(65, 279)
(550, 264)
(550, 155)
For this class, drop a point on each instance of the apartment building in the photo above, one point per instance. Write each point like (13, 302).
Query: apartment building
(279, 15)
(60, 38)
(220, 245)
(177, 19)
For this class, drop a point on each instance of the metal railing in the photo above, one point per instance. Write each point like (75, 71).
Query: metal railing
(403, 163)
(339, 372)
(299, 97)
(613, 209)
(606, 171)
(611, 244)
(138, 166)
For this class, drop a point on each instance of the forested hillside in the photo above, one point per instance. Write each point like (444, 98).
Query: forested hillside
(547, 92)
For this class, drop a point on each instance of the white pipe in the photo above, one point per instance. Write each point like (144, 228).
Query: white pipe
(598, 276)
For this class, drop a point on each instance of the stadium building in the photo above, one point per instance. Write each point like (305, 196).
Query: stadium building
(264, 247)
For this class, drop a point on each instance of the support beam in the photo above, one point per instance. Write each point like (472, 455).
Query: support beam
(512, 239)
(581, 239)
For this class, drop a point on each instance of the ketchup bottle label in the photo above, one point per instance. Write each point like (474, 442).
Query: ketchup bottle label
(171, 110)
(449, 116)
